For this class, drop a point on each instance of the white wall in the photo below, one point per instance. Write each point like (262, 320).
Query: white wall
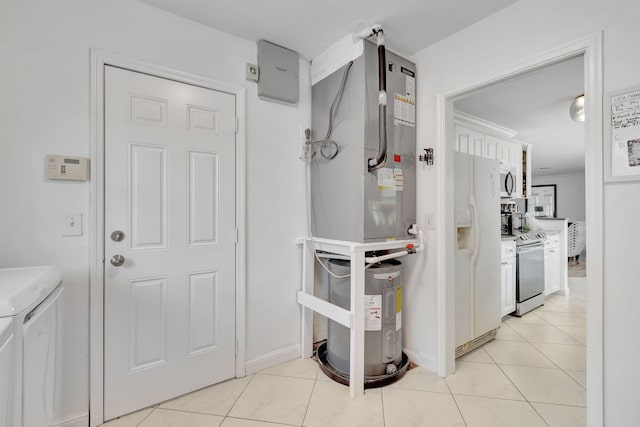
(481, 51)
(570, 196)
(44, 108)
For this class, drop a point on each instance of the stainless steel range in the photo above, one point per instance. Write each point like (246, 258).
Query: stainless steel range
(529, 271)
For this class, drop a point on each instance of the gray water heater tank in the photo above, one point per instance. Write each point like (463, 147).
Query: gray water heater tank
(383, 317)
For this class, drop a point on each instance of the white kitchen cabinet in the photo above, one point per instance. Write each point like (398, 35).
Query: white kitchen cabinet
(508, 277)
(490, 150)
(556, 229)
(509, 154)
(476, 142)
(504, 153)
(460, 139)
(515, 155)
(468, 141)
(552, 271)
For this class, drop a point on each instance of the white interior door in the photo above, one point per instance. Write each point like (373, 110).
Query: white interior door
(170, 189)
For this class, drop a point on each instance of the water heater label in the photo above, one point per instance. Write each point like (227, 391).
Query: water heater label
(411, 87)
(398, 179)
(386, 180)
(373, 312)
(390, 179)
(404, 110)
(398, 308)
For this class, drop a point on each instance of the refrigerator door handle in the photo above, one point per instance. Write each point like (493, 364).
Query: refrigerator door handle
(474, 259)
(476, 231)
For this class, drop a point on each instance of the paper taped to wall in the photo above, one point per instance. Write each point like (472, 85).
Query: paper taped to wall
(625, 134)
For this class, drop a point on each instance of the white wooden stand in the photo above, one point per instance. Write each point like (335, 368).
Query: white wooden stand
(353, 318)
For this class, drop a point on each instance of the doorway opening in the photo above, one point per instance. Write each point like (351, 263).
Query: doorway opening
(521, 126)
(588, 52)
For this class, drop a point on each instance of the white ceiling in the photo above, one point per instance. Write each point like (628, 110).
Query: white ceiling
(311, 26)
(536, 106)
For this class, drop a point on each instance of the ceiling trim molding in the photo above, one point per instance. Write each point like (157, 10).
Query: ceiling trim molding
(473, 121)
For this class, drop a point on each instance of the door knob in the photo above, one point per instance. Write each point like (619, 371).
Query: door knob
(117, 260)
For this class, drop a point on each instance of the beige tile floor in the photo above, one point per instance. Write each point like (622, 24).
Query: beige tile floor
(533, 374)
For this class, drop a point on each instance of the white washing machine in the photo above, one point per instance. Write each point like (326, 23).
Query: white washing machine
(30, 304)
(7, 350)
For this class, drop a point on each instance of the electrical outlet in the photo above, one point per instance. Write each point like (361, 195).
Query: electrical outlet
(72, 224)
(306, 150)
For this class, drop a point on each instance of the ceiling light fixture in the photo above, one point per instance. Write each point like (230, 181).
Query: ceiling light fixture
(576, 111)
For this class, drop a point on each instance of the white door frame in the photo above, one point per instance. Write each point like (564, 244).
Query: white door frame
(99, 59)
(591, 48)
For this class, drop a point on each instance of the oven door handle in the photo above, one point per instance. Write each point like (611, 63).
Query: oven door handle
(529, 248)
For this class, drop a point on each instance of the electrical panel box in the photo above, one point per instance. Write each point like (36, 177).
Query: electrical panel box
(67, 168)
(279, 72)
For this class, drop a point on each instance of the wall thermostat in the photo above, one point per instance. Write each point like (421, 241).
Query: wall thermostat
(67, 168)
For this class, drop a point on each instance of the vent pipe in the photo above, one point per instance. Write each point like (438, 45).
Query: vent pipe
(381, 158)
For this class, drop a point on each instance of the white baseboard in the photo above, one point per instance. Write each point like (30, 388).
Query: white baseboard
(81, 419)
(272, 359)
(422, 360)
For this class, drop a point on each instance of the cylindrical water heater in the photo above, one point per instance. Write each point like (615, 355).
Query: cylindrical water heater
(383, 318)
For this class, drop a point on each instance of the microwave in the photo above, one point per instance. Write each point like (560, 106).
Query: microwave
(508, 182)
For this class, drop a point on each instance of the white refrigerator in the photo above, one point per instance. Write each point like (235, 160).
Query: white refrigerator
(477, 248)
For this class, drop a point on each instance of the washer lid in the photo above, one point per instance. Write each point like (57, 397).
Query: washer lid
(5, 330)
(22, 287)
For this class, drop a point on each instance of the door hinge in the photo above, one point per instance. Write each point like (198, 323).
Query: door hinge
(237, 124)
(237, 347)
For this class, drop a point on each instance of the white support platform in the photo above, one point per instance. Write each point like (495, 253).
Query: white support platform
(354, 318)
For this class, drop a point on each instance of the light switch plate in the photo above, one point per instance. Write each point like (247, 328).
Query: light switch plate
(429, 221)
(72, 224)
